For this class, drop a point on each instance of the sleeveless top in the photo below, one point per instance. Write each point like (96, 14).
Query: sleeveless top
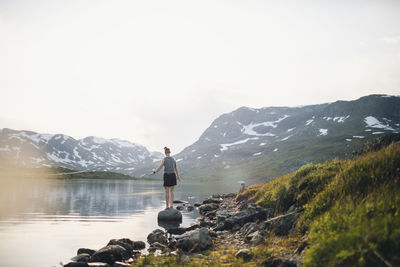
(169, 165)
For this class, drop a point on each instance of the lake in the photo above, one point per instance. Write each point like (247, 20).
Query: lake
(44, 222)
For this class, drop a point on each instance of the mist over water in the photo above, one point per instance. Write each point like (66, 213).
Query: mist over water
(47, 220)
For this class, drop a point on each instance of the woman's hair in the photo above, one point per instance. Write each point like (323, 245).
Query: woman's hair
(167, 150)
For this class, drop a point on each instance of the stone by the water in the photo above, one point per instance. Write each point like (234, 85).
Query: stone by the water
(128, 244)
(110, 254)
(180, 202)
(190, 208)
(157, 235)
(84, 257)
(86, 250)
(76, 264)
(170, 215)
(195, 241)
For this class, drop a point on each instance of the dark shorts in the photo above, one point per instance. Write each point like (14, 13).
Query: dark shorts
(169, 179)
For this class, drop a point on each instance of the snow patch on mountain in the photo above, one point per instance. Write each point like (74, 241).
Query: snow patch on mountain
(310, 121)
(323, 132)
(226, 146)
(249, 129)
(286, 138)
(375, 123)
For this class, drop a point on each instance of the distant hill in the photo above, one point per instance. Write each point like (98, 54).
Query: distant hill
(33, 149)
(260, 144)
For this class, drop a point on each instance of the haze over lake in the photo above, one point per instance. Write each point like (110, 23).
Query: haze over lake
(50, 219)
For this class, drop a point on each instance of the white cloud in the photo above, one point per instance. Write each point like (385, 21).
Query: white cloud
(392, 40)
(159, 72)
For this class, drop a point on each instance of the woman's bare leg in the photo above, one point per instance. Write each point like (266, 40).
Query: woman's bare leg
(166, 197)
(171, 195)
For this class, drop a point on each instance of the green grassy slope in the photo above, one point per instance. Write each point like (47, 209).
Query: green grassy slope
(351, 208)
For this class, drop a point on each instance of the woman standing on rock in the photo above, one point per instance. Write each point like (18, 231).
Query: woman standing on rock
(170, 176)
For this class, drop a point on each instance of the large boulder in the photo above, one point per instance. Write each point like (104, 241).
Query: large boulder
(157, 235)
(128, 244)
(110, 254)
(84, 257)
(250, 214)
(170, 215)
(281, 225)
(86, 250)
(194, 241)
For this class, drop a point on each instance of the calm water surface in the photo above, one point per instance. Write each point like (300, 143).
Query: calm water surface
(43, 223)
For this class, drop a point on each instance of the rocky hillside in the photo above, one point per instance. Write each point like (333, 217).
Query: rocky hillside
(28, 148)
(259, 144)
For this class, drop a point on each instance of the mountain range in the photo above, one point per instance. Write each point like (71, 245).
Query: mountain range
(246, 144)
(91, 153)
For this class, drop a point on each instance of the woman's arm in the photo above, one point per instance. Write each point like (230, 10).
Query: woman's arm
(177, 173)
(159, 168)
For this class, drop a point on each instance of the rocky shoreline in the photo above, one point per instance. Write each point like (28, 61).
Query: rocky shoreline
(225, 223)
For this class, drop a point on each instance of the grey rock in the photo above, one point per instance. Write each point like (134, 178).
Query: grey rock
(157, 235)
(76, 264)
(169, 224)
(249, 228)
(110, 254)
(212, 200)
(192, 227)
(128, 244)
(176, 231)
(207, 207)
(221, 215)
(195, 241)
(281, 225)
(84, 257)
(180, 202)
(170, 215)
(190, 208)
(157, 245)
(249, 215)
(211, 214)
(244, 253)
(86, 250)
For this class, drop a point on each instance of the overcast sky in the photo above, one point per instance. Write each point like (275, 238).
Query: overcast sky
(159, 72)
